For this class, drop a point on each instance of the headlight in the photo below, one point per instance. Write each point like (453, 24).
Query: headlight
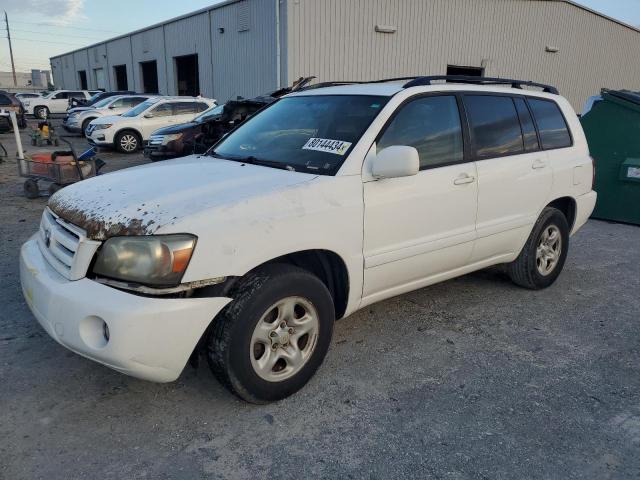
(171, 138)
(103, 126)
(154, 260)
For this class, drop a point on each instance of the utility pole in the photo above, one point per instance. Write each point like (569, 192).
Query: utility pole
(13, 66)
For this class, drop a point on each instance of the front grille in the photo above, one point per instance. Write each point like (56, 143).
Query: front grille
(65, 246)
(155, 140)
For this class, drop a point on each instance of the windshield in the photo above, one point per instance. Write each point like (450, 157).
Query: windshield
(48, 95)
(104, 102)
(308, 133)
(135, 111)
(209, 114)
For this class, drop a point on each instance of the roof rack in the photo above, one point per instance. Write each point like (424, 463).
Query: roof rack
(354, 82)
(420, 81)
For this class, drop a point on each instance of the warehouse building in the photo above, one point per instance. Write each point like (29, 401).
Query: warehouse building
(249, 47)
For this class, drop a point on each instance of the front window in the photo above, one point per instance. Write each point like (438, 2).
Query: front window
(103, 103)
(312, 133)
(134, 112)
(209, 114)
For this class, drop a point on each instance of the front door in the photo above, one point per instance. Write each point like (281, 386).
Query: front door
(420, 227)
(158, 117)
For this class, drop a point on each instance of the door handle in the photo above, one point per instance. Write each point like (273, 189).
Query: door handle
(538, 163)
(464, 179)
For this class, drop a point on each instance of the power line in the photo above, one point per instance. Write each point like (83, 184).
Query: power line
(49, 25)
(57, 34)
(45, 41)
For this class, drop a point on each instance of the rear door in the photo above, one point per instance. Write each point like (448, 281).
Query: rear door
(59, 102)
(514, 175)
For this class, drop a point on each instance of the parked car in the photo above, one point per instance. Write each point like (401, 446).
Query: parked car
(323, 203)
(97, 96)
(9, 102)
(55, 102)
(78, 118)
(127, 131)
(209, 127)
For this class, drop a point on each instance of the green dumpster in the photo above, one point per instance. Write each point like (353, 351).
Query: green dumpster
(612, 127)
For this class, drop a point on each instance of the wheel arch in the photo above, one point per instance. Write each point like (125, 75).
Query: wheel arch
(328, 266)
(568, 206)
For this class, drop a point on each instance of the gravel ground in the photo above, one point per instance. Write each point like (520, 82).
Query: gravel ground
(472, 378)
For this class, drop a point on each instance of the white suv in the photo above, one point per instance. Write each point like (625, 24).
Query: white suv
(79, 118)
(127, 131)
(54, 102)
(326, 201)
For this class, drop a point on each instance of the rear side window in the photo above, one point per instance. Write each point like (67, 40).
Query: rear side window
(201, 107)
(183, 108)
(4, 100)
(432, 126)
(164, 110)
(552, 127)
(495, 127)
(528, 129)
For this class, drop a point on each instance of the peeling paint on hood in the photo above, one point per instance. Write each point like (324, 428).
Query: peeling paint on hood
(149, 199)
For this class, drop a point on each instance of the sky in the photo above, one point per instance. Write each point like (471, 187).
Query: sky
(43, 28)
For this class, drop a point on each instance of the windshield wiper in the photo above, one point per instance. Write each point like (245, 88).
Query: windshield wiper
(256, 161)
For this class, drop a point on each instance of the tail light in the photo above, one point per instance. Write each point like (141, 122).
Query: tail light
(593, 177)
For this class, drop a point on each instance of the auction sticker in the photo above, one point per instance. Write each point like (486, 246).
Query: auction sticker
(327, 145)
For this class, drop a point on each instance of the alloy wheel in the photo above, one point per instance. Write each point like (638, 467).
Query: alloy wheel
(284, 339)
(549, 250)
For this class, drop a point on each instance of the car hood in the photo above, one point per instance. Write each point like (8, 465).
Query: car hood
(152, 198)
(79, 109)
(182, 127)
(108, 119)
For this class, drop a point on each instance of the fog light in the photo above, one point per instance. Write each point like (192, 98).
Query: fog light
(94, 332)
(105, 331)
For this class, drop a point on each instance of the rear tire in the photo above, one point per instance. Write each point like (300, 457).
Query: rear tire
(127, 142)
(543, 256)
(270, 340)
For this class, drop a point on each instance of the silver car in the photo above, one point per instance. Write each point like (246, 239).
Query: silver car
(78, 118)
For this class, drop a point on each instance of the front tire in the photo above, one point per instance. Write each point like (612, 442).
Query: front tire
(269, 342)
(541, 260)
(127, 142)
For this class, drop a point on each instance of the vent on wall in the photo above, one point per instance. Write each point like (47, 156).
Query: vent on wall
(243, 16)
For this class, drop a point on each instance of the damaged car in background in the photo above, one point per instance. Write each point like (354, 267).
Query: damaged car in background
(324, 202)
(209, 127)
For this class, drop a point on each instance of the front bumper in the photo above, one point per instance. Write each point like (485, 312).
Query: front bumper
(149, 338)
(73, 127)
(161, 151)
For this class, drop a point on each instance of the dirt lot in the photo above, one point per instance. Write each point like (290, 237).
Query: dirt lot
(472, 378)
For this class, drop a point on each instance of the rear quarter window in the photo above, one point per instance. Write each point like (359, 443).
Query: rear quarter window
(552, 127)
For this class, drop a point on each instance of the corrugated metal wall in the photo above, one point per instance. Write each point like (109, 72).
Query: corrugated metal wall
(147, 46)
(244, 55)
(239, 61)
(336, 40)
(186, 37)
(119, 53)
(97, 61)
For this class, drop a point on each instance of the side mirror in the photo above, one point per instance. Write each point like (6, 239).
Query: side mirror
(148, 115)
(396, 161)
(111, 107)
